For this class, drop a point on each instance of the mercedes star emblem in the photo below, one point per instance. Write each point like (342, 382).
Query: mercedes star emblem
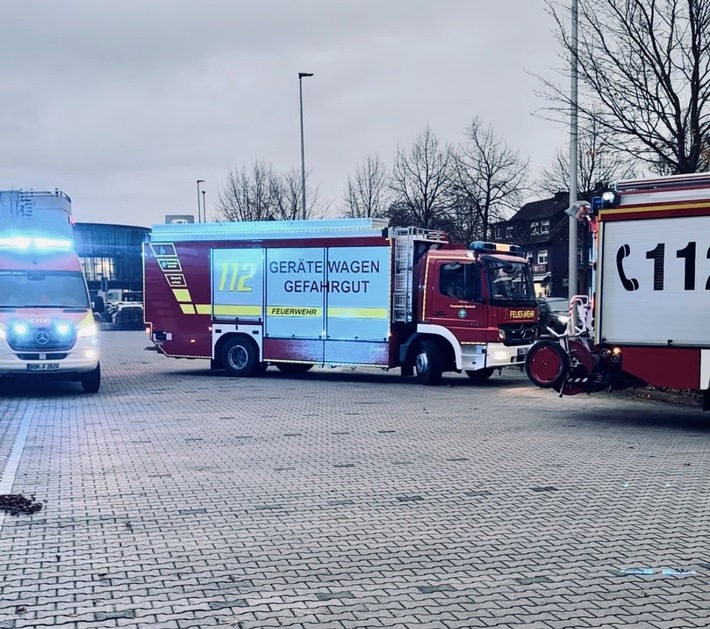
(42, 338)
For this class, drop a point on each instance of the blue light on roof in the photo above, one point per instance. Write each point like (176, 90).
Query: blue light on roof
(39, 243)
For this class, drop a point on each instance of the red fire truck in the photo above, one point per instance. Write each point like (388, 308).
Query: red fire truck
(649, 321)
(344, 292)
(47, 327)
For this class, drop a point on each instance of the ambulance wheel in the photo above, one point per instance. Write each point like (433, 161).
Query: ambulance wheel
(294, 367)
(91, 382)
(240, 357)
(547, 365)
(480, 375)
(428, 362)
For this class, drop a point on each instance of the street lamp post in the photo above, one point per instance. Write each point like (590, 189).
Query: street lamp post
(301, 75)
(199, 181)
(204, 207)
(573, 157)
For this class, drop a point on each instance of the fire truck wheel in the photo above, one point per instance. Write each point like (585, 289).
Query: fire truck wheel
(91, 382)
(547, 365)
(480, 375)
(293, 367)
(240, 357)
(428, 362)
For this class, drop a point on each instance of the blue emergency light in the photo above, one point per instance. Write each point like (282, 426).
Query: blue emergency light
(36, 242)
(495, 247)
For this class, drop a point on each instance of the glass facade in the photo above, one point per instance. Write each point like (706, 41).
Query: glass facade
(112, 254)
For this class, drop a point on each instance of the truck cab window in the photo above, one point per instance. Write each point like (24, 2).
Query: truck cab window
(460, 281)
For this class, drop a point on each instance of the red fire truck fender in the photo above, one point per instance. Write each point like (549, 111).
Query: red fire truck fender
(424, 329)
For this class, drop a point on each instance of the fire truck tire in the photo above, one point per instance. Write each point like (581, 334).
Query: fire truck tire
(428, 362)
(240, 357)
(293, 367)
(91, 382)
(480, 375)
(547, 365)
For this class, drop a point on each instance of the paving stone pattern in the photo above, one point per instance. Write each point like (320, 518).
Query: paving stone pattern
(177, 498)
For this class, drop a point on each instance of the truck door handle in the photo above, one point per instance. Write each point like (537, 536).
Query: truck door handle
(439, 313)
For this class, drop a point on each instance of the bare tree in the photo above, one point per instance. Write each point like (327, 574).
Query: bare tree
(598, 161)
(644, 71)
(367, 193)
(262, 194)
(11, 206)
(489, 180)
(249, 195)
(290, 198)
(421, 182)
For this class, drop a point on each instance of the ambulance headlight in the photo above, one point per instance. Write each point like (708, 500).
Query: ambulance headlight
(87, 331)
(63, 329)
(19, 328)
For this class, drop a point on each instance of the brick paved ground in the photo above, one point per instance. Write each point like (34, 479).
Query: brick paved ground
(177, 499)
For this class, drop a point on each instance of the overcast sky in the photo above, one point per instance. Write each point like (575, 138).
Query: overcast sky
(125, 104)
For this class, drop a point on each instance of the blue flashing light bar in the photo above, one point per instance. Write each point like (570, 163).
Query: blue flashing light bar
(35, 243)
(495, 247)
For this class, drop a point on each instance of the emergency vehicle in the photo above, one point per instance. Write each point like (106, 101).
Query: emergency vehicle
(649, 320)
(343, 292)
(47, 326)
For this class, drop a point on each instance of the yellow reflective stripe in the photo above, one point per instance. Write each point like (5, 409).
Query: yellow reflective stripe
(358, 313)
(238, 310)
(182, 294)
(187, 308)
(293, 311)
(203, 308)
(87, 320)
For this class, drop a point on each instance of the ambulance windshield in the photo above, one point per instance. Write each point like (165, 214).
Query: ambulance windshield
(509, 283)
(43, 289)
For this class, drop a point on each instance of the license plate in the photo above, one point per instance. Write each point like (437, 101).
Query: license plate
(42, 366)
(522, 351)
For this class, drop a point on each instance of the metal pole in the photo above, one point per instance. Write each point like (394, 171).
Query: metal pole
(204, 208)
(199, 181)
(573, 263)
(303, 153)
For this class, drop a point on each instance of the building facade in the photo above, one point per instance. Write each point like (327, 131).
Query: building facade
(541, 228)
(111, 255)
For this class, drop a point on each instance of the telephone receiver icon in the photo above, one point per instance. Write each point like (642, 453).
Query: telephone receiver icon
(629, 284)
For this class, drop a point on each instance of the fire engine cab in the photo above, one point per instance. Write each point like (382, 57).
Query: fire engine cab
(344, 292)
(649, 320)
